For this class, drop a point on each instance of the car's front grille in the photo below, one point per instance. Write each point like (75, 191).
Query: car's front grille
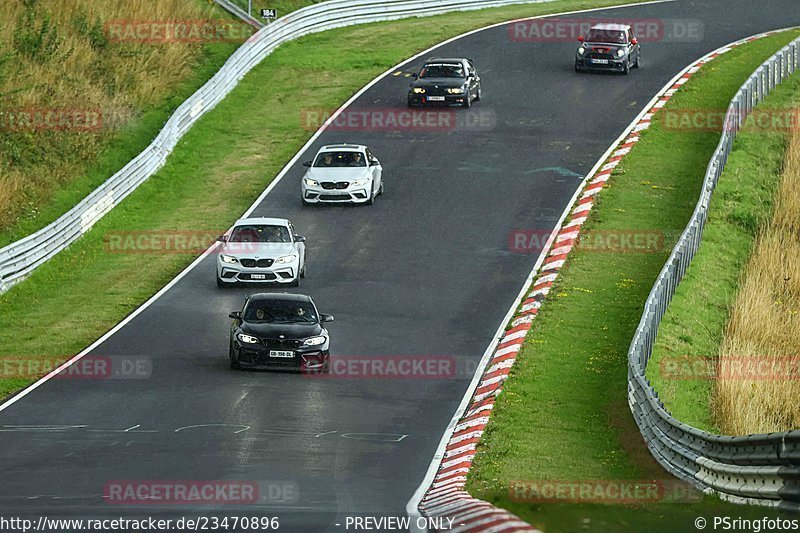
(334, 197)
(342, 184)
(600, 53)
(327, 185)
(281, 344)
(256, 263)
(435, 91)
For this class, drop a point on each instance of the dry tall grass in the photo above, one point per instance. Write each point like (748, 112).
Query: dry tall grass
(764, 326)
(79, 69)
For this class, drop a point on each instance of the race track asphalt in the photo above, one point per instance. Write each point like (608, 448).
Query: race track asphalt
(425, 272)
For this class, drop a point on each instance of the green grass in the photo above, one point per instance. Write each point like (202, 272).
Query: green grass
(694, 323)
(563, 414)
(126, 144)
(206, 184)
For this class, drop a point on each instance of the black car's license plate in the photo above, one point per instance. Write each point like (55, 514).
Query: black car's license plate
(281, 353)
(600, 61)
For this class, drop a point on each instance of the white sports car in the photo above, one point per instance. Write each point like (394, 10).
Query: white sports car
(342, 173)
(261, 250)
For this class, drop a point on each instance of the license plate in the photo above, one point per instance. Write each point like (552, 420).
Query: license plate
(281, 353)
(600, 61)
(436, 98)
(258, 276)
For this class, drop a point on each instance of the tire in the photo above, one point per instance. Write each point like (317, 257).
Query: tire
(577, 68)
(305, 202)
(380, 191)
(303, 272)
(234, 362)
(478, 95)
(220, 284)
(638, 59)
(295, 282)
(627, 69)
(467, 101)
(371, 199)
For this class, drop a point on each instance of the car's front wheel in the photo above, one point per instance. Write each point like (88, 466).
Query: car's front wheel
(627, 68)
(220, 283)
(468, 101)
(638, 59)
(478, 94)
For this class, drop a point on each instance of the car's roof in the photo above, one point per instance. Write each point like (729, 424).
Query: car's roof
(286, 296)
(262, 220)
(343, 147)
(445, 60)
(611, 26)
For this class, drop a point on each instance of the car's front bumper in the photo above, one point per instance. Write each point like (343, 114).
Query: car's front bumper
(432, 100)
(354, 195)
(595, 64)
(233, 272)
(257, 357)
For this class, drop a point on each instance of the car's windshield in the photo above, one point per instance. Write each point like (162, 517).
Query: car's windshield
(340, 159)
(260, 233)
(606, 36)
(280, 311)
(442, 70)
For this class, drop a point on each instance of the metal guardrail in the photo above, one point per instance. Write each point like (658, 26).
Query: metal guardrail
(19, 259)
(237, 11)
(756, 469)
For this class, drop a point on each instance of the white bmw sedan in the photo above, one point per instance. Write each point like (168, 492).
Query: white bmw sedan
(342, 173)
(261, 250)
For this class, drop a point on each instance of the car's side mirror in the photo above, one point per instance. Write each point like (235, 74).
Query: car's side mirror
(580, 38)
(326, 318)
(634, 41)
(222, 238)
(307, 164)
(299, 238)
(236, 315)
(374, 163)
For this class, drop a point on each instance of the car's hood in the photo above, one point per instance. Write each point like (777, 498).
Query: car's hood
(440, 82)
(260, 250)
(274, 331)
(337, 173)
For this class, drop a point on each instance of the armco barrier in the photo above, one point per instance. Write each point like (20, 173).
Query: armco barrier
(762, 469)
(19, 259)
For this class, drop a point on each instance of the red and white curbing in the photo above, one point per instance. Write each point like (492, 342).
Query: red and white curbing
(446, 497)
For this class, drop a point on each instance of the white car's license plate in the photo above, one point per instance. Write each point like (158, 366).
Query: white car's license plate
(436, 98)
(281, 353)
(600, 61)
(258, 276)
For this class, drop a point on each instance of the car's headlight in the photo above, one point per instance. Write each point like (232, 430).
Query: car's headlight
(311, 183)
(228, 259)
(581, 50)
(620, 52)
(359, 182)
(286, 259)
(418, 90)
(315, 341)
(247, 339)
(456, 90)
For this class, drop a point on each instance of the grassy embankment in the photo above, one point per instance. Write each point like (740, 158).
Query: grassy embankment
(117, 91)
